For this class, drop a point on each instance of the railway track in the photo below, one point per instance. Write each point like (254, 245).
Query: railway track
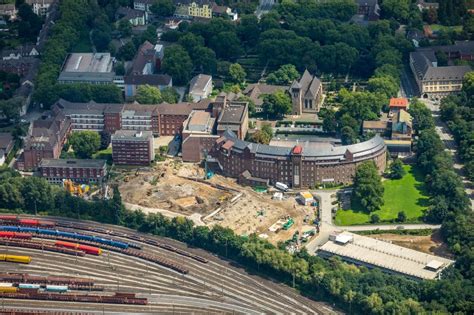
(214, 286)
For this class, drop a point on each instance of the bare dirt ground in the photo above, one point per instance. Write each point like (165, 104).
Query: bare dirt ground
(430, 244)
(256, 212)
(164, 186)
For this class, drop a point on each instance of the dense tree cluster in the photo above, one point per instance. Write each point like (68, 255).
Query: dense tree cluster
(449, 204)
(85, 143)
(458, 112)
(368, 189)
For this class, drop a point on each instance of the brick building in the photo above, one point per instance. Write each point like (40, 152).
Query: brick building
(77, 170)
(132, 148)
(198, 136)
(234, 117)
(47, 137)
(162, 120)
(297, 166)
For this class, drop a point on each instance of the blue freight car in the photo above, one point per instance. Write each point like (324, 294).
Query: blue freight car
(57, 288)
(9, 228)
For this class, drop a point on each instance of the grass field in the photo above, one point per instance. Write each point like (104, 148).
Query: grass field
(438, 27)
(407, 194)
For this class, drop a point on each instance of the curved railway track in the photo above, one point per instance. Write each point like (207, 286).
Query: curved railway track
(217, 286)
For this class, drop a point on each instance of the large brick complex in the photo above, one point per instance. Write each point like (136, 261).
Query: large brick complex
(297, 166)
(82, 171)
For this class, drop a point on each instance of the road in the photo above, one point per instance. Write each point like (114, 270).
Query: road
(328, 227)
(408, 86)
(448, 140)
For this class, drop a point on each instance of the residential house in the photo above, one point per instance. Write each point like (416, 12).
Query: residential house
(370, 9)
(256, 92)
(40, 7)
(416, 36)
(396, 104)
(379, 127)
(434, 81)
(8, 10)
(133, 16)
(6, 145)
(20, 52)
(143, 5)
(194, 8)
(423, 5)
(306, 94)
(402, 128)
(224, 12)
(200, 87)
(21, 66)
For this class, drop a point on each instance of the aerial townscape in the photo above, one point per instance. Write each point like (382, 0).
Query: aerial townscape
(236, 157)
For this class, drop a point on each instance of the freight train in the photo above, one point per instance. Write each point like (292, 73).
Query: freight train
(15, 258)
(85, 248)
(25, 236)
(13, 219)
(73, 235)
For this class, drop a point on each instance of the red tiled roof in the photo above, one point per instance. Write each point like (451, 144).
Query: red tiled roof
(399, 102)
(297, 149)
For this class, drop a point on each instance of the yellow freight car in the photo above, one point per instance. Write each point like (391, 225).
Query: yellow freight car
(15, 258)
(8, 289)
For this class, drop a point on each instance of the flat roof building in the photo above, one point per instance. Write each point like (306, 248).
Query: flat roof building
(198, 136)
(89, 171)
(391, 258)
(95, 68)
(132, 147)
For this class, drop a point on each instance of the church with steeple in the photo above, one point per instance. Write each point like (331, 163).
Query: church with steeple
(306, 94)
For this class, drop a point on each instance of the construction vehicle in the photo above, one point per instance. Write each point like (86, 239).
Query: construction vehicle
(78, 190)
(288, 224)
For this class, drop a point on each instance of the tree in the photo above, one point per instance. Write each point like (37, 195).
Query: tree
(127, 51)
(264, 135)
(368, 189)
(237, 73)
(205, 60)
(284, 75)
(348, 135)
(85, 143)
(101, 40)
(401, 217)
(468, 84)
(147, 94)
(374, 218)
(177, 64)
(430, 16)
(170, 95)
(163, 8)
(329, 119)
(125, 28)
(396, 169)
(384, 85)
(277, 104)
(397, 9)
(11, 108)
(226, 45)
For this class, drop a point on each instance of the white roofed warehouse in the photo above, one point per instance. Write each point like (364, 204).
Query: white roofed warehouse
(369, 252)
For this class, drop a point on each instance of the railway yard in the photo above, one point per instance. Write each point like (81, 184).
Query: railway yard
(82, 266)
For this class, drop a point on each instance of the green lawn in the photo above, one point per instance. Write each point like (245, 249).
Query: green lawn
(407, 194)
(105, 154)
(438, 27)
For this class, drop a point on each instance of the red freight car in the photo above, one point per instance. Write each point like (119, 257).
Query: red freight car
(15, 235)
(8, 217)
(28, 222)
(87, 249)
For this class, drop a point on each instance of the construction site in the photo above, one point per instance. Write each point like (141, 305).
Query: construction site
(173, 188)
